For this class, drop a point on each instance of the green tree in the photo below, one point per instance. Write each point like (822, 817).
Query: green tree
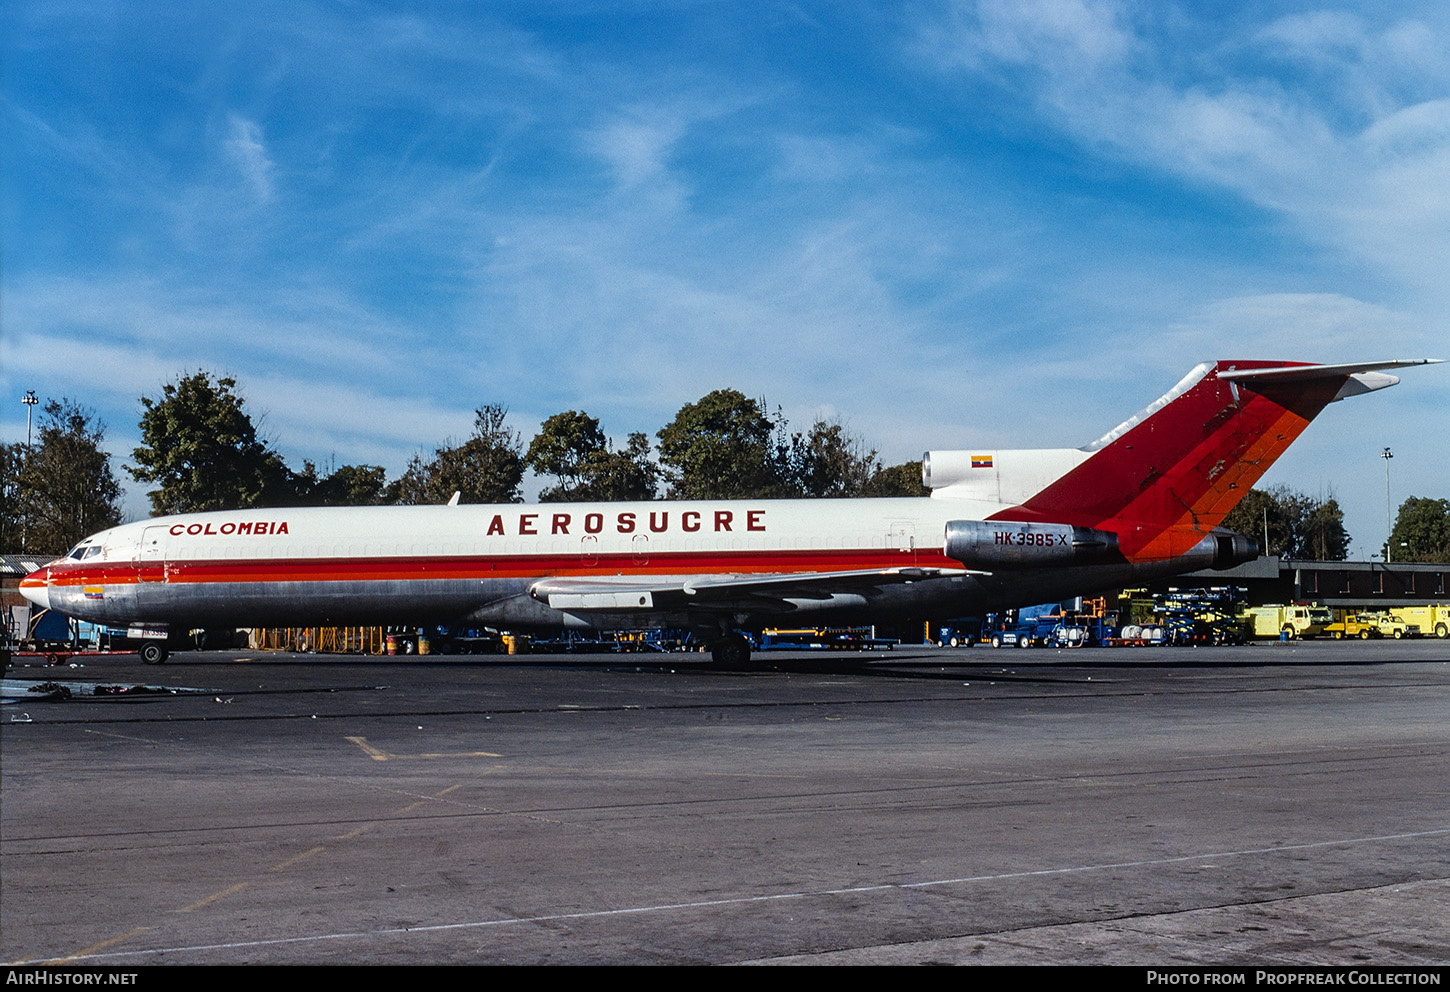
(897, 480)
(1259, 515)
(1297, 525)
(1421, 531)
(722, 447)
(571, 447)
(202, 450)
(565, 444)
(487, 468)
(1324, 536)
(827, 462)
(12, 460)
(65, 487)
(347, 485)
(620, 475)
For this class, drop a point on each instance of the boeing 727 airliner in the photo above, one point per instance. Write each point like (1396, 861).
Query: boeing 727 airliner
(1001, 528)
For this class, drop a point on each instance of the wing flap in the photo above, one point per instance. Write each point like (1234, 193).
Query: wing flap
(647, 593)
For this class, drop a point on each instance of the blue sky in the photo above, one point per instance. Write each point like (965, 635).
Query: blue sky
(998, 223)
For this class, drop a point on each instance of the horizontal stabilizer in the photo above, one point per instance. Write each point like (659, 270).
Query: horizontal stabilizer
(1361, 377)
(1292, 373)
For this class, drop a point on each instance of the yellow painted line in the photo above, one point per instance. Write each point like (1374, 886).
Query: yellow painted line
(292, 861)
(359, 831)
(214, 897)
(94, 948)
(368, 749)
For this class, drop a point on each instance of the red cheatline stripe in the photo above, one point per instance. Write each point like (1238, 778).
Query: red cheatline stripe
(500, 566)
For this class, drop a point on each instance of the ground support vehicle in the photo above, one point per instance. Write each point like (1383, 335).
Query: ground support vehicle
(1394, 625)
(466, 640)
(1022, 628)
(1197, 617)
(822, 638)
(59, 656)
(574, 641)
(571, 641)
(1297, 620)
(659, 641)
(56, 638)
(1140, 635)
(1353, 625)
(1432, 619)
(1048, 625)
(960, 632)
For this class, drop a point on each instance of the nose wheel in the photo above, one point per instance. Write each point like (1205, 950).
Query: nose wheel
(153, 653)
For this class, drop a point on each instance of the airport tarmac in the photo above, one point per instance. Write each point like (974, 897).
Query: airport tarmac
(1276, 804)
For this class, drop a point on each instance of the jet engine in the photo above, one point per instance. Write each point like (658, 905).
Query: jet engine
(1014, 544)
(1230, 549)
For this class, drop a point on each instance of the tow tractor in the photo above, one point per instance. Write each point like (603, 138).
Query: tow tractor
(51, 636)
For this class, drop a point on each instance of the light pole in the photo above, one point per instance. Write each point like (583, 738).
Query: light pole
(29, 400)
(1389, 529)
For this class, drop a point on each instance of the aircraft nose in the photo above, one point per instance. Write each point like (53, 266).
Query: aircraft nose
(36, 587)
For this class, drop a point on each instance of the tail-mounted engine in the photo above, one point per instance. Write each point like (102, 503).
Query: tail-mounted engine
(1011, 544)
(1230, 549)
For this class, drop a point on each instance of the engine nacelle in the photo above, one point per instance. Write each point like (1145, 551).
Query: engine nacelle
(1230, 549)
(1014, 544)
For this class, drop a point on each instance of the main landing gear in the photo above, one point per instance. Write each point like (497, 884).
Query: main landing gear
(731, 651)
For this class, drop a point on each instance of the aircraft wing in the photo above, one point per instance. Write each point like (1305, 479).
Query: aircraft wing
(719, 592)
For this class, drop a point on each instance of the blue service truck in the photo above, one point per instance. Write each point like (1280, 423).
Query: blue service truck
(1053, 625)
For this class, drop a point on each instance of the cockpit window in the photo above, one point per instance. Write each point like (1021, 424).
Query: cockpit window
(76, 552)
(93, 550)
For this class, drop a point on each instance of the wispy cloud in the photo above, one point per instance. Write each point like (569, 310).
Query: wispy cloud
(247, 152)
(1355, 152)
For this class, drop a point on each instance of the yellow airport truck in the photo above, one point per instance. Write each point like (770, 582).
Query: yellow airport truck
(1361, 625)
(1431, 619)
(1367, 625)
(1394, 625)
(1293, 621)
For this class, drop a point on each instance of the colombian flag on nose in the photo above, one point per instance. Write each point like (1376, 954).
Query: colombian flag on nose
(981, 461)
